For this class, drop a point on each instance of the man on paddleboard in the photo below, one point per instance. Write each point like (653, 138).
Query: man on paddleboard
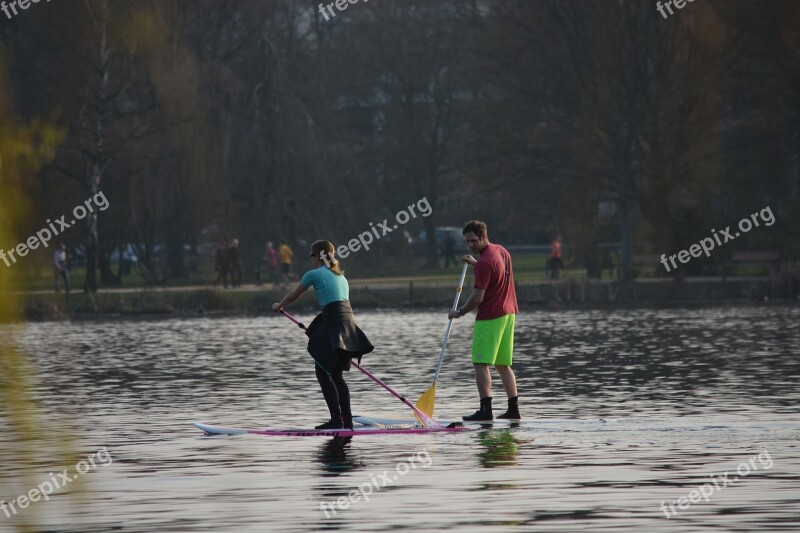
(334, 337)
(493, 334)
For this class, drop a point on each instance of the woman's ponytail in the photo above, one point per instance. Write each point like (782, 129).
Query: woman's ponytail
(325, 251)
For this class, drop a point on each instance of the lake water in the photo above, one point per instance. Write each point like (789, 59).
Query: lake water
(623, 410)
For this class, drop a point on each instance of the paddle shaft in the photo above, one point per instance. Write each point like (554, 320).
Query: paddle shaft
(450, 323)
(426, 420)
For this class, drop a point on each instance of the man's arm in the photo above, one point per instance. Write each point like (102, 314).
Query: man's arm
(474, 299)
(473, 302)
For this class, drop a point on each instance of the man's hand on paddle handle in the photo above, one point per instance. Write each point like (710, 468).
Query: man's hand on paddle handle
(276, 307)
(458, 313)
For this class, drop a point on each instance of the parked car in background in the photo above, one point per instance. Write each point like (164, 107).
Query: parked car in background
(400, 238)
(128, 254)
(76, 255)
(397, 244)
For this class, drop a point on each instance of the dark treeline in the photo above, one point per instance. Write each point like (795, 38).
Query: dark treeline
(203, 120)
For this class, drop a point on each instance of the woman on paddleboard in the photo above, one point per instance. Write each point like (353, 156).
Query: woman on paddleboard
(334, 337)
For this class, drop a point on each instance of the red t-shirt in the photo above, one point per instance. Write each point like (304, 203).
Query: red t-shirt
(555, 249)
(493, 273)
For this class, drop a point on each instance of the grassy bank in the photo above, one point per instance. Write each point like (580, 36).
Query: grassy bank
(50, 306)
(395, 293)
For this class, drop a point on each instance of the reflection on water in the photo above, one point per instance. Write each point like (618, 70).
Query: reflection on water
(500, 447)
(623, 410)
(336, 457)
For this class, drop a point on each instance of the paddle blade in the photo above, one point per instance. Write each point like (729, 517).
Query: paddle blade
(426, 401)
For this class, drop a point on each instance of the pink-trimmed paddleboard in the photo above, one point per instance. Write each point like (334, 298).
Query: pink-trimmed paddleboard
(276, 432)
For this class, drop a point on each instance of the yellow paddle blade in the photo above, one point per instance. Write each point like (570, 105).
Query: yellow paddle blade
(425, 402)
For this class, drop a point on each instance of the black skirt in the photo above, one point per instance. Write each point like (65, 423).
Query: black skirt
(334, 335)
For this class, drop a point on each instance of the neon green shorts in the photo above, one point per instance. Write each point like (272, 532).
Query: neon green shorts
(493, 341)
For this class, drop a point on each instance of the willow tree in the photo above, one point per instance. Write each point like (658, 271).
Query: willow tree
(25, 146)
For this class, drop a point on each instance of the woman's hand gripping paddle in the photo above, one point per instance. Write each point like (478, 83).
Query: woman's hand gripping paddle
(426, 401)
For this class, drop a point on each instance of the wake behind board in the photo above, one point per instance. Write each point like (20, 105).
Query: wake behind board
(276, 432)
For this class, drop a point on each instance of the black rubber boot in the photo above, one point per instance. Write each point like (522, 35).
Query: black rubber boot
(484, 414)
(347, 421)
(334, 423)
(513, 410)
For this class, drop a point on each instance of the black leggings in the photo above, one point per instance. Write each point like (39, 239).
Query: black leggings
(334, 389)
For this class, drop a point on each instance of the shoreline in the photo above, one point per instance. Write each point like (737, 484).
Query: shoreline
(256, 301)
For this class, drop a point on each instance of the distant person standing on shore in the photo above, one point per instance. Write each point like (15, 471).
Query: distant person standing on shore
(449, 250)
(60, 268)
(285, 254)
(271, 260)
(221, 264)
(493, 333)
(235, 264)
(555, 263)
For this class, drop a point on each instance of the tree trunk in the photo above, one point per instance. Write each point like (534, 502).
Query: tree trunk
(96, 168)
